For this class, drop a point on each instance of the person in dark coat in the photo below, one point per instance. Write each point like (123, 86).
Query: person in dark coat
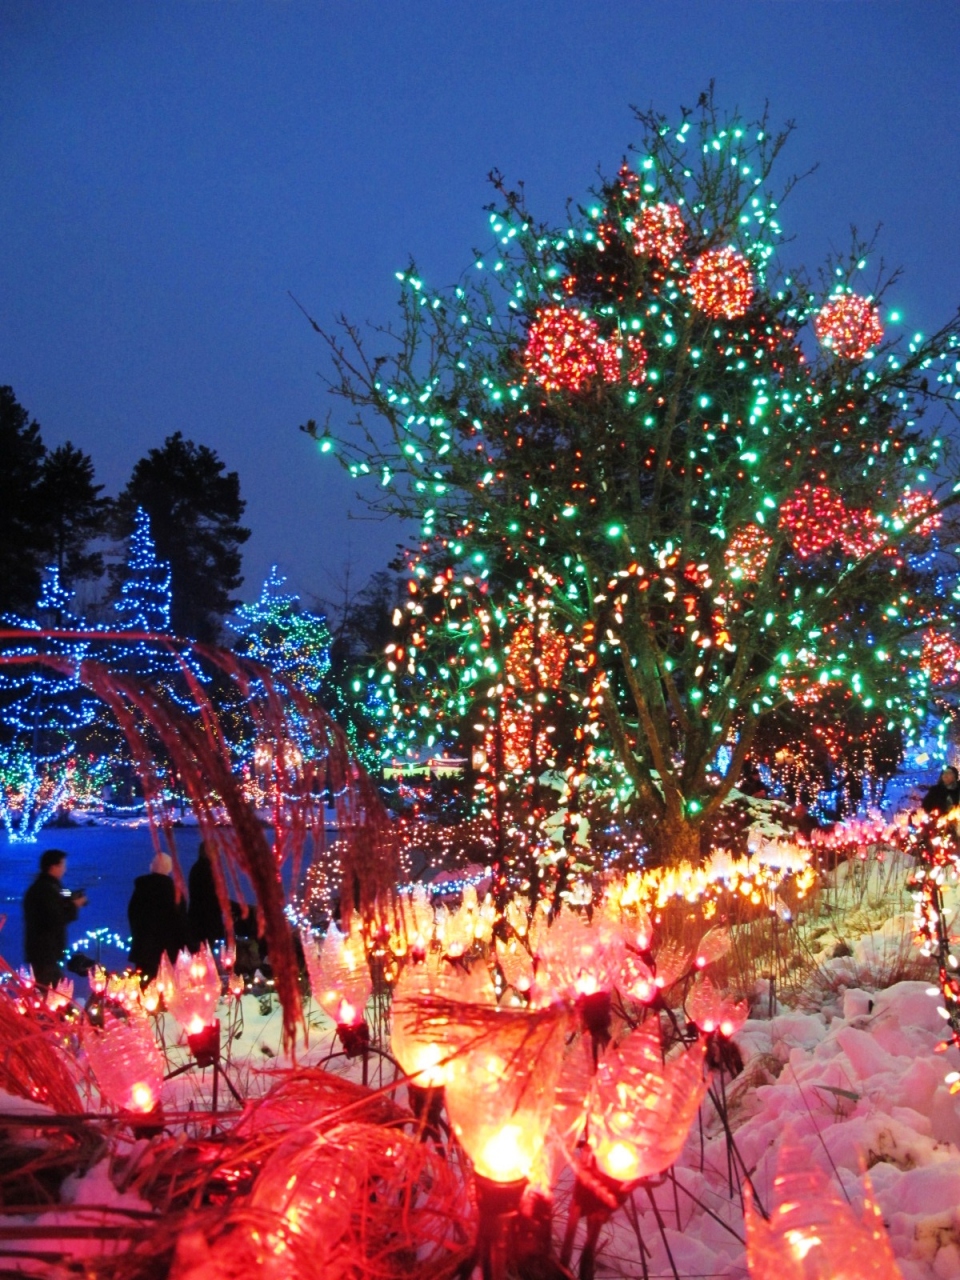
(158, 922)
(47, 910)
(944, 795)
(205, 916)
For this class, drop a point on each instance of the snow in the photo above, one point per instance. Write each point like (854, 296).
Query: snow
(859, 1091)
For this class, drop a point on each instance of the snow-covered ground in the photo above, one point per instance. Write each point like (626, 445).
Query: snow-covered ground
(848, 1076)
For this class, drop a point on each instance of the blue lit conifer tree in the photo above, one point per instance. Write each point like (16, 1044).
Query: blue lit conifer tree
(43, 715)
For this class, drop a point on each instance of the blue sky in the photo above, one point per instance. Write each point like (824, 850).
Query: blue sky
(170, 171)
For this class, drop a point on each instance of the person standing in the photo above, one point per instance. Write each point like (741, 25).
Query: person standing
(944, 795)
(158, 922)
(47, 910)
(205, 916)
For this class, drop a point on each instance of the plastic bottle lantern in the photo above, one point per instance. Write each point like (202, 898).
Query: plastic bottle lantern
(421, 1039)
(339, 976)
(501, 1087)
(306, 1191)
(60, 996)
(191, 989)
(126, 1063)
(813, 1234)
(642, 1107)
(712, 1011)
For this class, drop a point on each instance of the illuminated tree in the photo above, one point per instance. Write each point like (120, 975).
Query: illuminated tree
(43, 715)
(709, 475)
(291, 641)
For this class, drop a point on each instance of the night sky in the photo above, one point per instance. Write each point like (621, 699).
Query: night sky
(169, 171)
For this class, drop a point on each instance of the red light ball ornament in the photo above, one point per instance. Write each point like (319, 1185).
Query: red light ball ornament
(721, 283)
(561, 351)
(814, 518)
(848, 325)
(659, 232)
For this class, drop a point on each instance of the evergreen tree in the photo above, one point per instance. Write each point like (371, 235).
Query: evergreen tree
(43, 714)
(684, 476)
(288, 639)
(72, 512)
(22, 538)
(195, 510)
(143, 607)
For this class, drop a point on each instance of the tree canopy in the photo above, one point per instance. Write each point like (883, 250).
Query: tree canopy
(666, 483)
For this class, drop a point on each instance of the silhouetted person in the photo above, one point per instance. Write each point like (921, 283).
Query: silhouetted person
(158, 922)
(205, 916)
(751, 781)
(47, 910)
(944, 795)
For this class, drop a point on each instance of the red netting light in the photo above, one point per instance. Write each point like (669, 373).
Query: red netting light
(561, 352)
(721, 283)
(659, 232)
(914, 504)
(940, 658)
(861, 534)
(746, 553)
(535, 657)
(814, 518)
(848, 325)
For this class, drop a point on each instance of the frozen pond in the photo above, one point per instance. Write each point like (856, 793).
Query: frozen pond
(103, 860)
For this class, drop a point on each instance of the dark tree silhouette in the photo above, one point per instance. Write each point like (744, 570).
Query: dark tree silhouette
(195, 510)
(21, 532)
(72, 512)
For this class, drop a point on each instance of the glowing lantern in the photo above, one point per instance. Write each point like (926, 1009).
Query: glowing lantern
(97, 977)
(190, 989)
(307, 1190)
(714, 944)
(713, 1011)
(127, 1064)
(848, 325)
(813, 1234)
(517, 964)
(60, 996)
(721, 283)
(501, 1087)
(637, 979)
(643, 1108)
(339, 975)
(418, 1045)
(581, 960)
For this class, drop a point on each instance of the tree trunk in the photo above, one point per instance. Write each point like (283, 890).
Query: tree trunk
(672, 841)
